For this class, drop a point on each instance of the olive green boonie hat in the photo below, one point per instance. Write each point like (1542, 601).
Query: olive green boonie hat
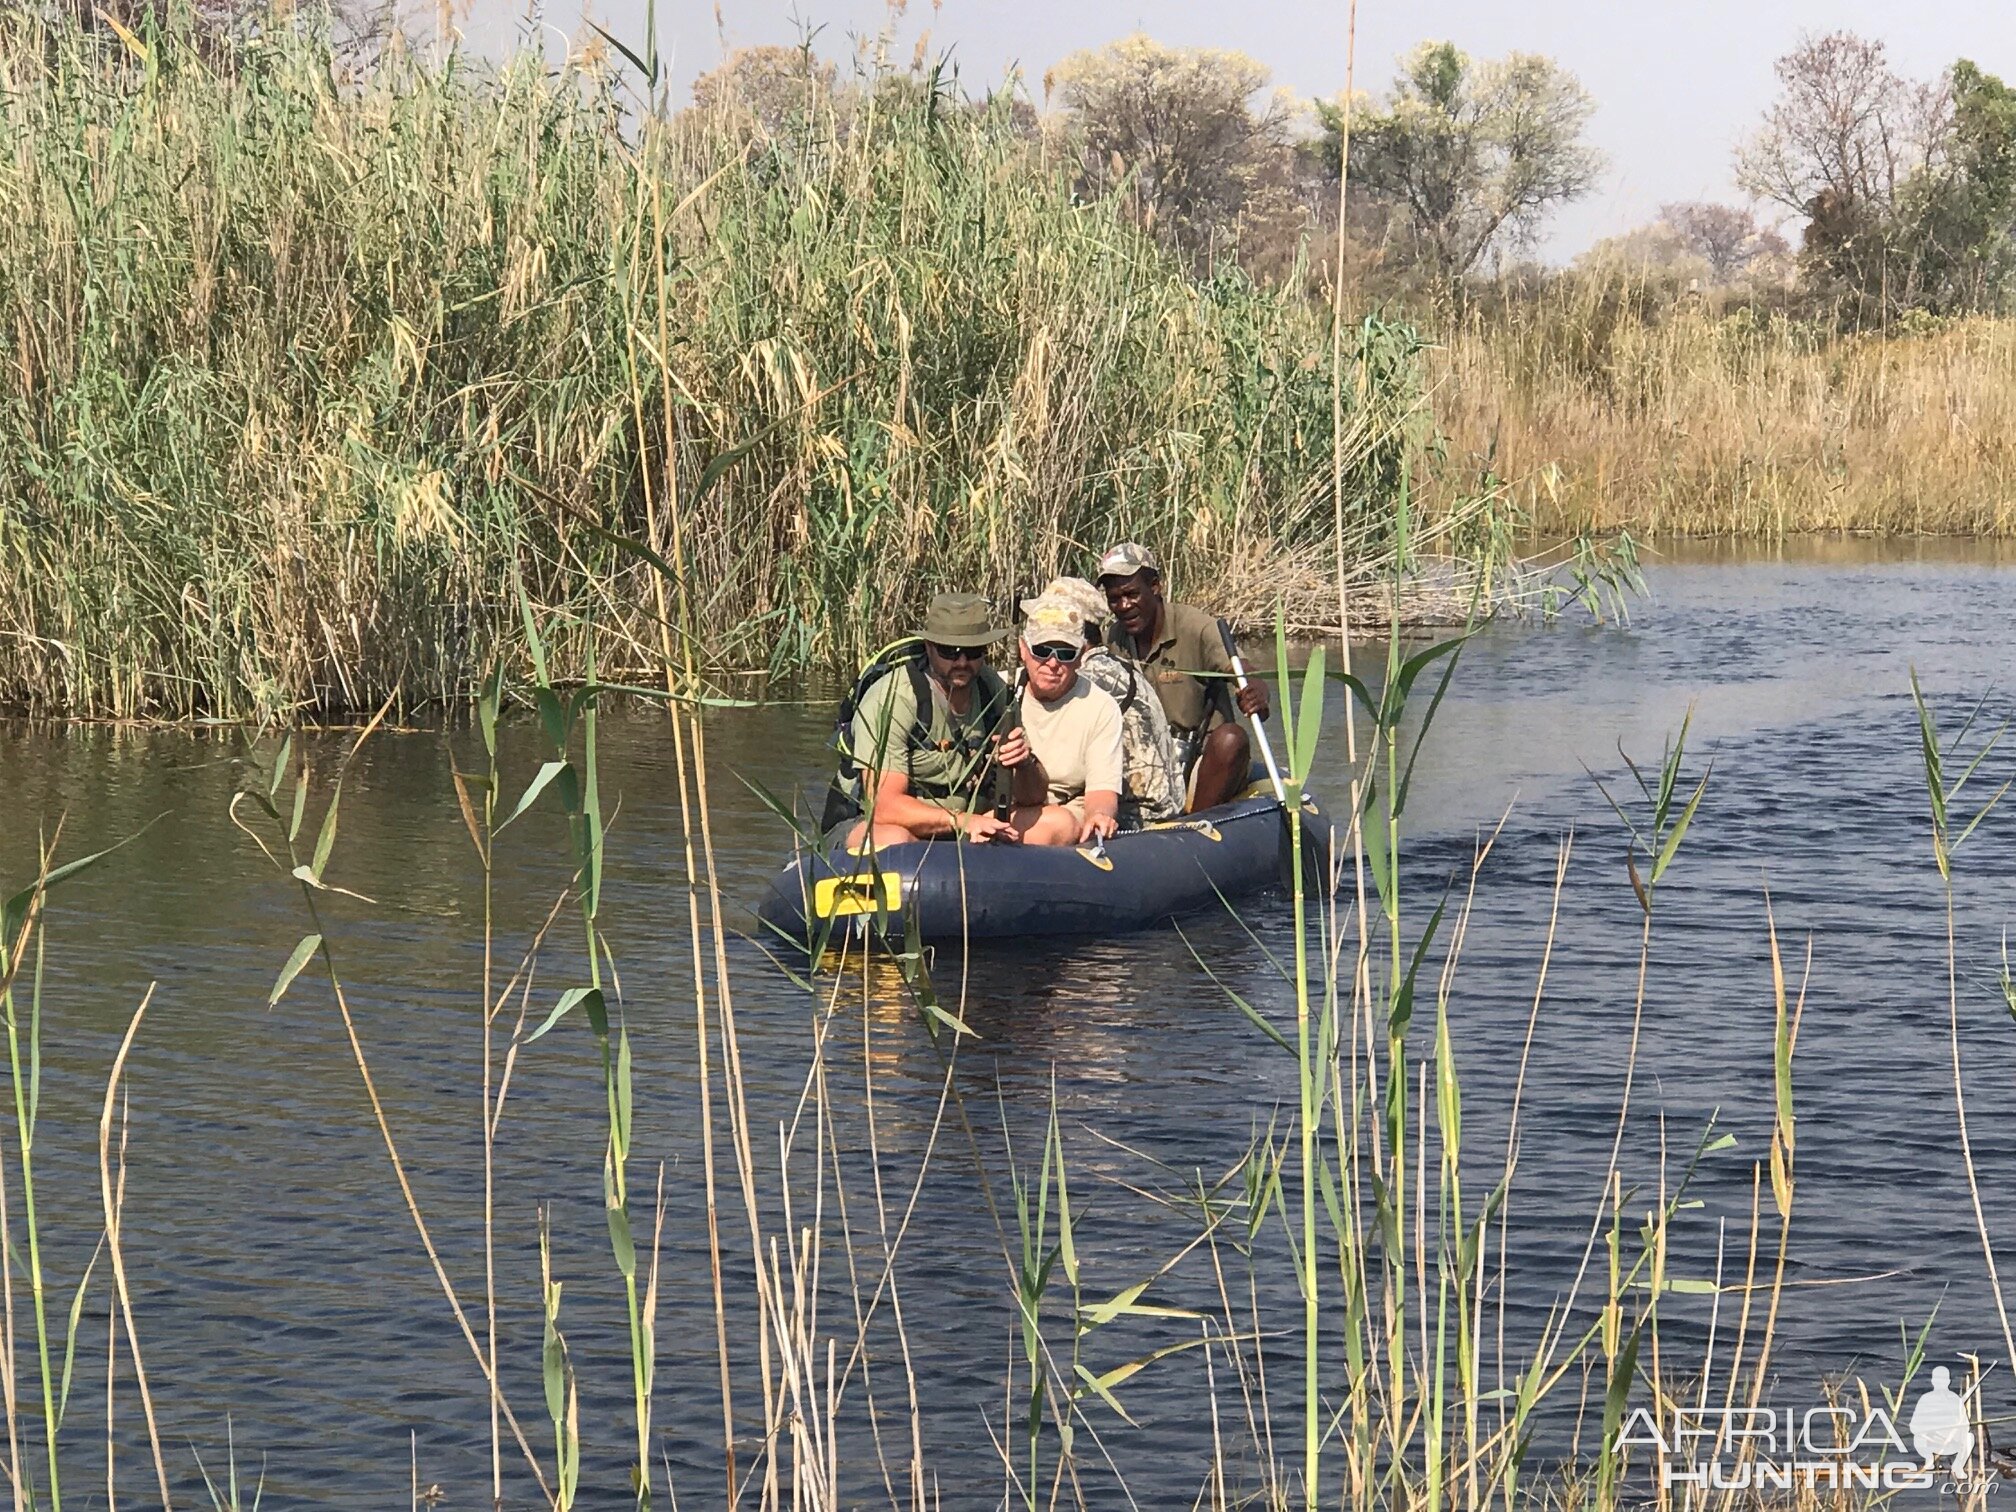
(1125, 560)
(960, 619)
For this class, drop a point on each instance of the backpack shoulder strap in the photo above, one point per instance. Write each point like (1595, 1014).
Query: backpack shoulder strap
(919, 738)
(993, 700)
(871, 676)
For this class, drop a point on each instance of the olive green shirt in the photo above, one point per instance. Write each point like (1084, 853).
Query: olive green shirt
(1189, 645)
(879, 739)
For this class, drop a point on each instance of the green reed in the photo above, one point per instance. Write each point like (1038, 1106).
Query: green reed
(309, 356)
(577, 780)
(1944, 788)
(1364, 1182)
(1385, 1261)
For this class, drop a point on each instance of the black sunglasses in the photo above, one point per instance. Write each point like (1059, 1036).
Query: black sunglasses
(1048, 652)
(960, 653)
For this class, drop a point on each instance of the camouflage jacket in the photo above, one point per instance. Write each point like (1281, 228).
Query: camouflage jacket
(1154, 770)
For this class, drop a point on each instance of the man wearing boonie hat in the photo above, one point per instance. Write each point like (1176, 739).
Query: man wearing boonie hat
(917, 751)
(1183, 654)
(1153, 791)
(1065, 761)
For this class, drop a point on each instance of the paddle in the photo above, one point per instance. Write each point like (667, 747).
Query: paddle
(1259, 729)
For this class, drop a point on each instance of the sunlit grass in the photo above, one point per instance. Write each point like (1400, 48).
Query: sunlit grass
(1606, 406)
(303, 365)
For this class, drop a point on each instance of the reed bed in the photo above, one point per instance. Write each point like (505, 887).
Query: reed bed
(306, 360)
(1606, 406)
(1393, 1373)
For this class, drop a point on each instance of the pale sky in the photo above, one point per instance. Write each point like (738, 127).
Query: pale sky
(1676, 85)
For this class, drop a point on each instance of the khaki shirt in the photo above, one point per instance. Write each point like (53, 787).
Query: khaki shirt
(1189, 645)
(1077, 738)
(879, 738)
(1154, 789)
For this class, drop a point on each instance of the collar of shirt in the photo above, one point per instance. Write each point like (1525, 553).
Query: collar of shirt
(1165, 642)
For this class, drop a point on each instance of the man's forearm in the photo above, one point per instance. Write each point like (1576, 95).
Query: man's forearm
(914, 814)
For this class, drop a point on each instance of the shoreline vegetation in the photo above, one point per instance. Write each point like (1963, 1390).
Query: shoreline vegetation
(1707, 420)
(317, 350)
(306, 372)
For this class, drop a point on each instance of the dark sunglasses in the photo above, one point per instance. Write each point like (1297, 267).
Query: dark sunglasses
(960, 653)
(1048, 652)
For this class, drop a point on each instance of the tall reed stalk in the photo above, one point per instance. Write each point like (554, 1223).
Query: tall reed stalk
(309, 356)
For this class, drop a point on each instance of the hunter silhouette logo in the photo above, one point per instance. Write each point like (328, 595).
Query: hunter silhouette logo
(1832, 1445)
(1939, 1427)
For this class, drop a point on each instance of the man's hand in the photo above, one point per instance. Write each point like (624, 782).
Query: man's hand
(988, 829)
(1013, 750)
(1100, 826)
(1253, 700)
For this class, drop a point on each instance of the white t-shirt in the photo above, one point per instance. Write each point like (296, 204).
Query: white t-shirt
(1077, 738)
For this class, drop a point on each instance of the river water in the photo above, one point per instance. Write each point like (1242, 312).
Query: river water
(287, 1307)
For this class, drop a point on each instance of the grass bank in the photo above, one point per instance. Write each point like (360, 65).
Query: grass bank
(305, 364)
(1607, 410)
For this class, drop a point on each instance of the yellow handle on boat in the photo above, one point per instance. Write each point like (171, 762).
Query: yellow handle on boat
(862, 893)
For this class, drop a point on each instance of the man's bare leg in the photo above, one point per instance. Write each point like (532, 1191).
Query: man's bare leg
(1223, 767)
(1049, 825)
(885, 836)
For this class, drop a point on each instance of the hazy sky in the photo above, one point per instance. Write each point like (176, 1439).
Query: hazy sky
(1675, 85)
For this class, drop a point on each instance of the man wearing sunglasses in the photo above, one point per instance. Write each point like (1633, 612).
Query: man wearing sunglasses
(1152, 790)
(917, 750)
(1066, 761)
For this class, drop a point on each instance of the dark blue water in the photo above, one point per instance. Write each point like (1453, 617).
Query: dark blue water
(285, 1302)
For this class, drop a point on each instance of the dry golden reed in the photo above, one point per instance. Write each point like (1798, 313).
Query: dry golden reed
(1696, 419)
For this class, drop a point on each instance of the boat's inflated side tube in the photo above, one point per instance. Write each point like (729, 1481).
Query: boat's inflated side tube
(948, 890)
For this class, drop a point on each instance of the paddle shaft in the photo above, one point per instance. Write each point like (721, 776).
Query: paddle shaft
(1259, 729)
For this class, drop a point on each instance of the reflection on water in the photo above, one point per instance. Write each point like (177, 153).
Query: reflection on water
(276, 1277)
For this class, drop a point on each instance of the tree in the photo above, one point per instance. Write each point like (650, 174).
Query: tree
(1909, 189)
(770, 88)
(1654, 248)
(1177, 127)
(1471, 151)
(1726, 237)
(1838, 146)
(1844, 126)
(1956, 216)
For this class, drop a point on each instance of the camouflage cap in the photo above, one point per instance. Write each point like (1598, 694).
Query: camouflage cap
(1053, 620)
(1126, 559)
(1078, 593)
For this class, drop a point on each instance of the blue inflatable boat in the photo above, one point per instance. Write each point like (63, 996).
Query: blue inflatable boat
(947, 890)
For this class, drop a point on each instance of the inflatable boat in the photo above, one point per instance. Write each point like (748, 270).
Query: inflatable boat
(947, 890)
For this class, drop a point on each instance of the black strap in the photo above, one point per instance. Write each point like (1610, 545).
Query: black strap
(970, 739)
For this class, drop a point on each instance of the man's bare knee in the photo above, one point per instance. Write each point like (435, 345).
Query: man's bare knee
(1226, 747)
(1053, 825)
(1222, 766)
(879, 837)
